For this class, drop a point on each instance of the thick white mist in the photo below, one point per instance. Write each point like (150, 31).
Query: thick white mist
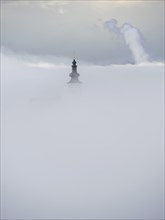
(88, 152)
(132, 37)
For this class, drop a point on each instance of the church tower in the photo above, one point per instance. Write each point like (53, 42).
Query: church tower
(74, 74)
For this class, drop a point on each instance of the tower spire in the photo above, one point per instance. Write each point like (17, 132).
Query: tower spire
(74, 74)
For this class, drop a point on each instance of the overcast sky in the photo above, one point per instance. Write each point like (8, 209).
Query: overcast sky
(60, 29)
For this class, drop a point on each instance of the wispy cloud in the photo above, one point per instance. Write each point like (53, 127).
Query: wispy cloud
(45, 65)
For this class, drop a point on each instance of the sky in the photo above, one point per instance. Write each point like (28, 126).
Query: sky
(55, 31)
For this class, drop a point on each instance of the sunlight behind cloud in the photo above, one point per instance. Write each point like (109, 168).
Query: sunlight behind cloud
(128, 3)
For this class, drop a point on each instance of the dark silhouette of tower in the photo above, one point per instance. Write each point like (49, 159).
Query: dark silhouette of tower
(74, 74)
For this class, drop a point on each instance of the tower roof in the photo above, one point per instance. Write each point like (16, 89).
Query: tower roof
(74, 74)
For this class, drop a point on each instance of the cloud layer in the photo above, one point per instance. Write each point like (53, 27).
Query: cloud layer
(92, 152)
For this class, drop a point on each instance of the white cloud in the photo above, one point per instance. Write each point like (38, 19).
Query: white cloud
(45, 65)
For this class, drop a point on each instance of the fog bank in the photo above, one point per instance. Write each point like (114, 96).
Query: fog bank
(88, 151)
